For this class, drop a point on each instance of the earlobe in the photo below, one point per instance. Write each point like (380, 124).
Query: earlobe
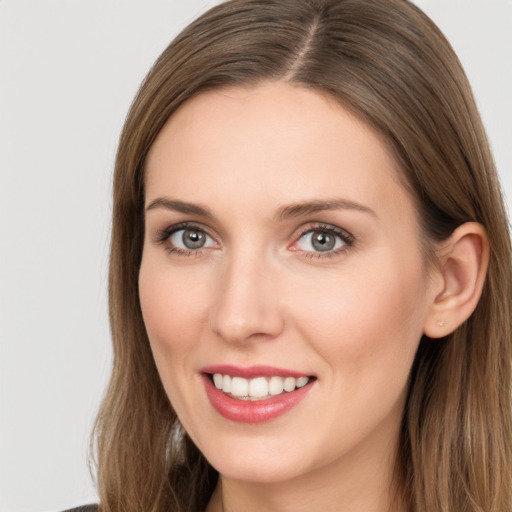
(462, 266)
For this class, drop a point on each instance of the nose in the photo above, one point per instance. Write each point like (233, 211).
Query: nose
(248, 302)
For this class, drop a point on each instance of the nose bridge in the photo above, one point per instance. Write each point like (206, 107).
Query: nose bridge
(247, 305)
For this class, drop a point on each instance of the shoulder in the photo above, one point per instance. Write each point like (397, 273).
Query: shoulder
(84, 508)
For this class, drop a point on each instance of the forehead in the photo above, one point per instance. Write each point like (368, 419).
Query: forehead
(273, 141)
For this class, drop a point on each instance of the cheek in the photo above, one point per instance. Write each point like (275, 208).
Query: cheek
(366, 328)
(174, 319)
(370, 317)
(169, 305)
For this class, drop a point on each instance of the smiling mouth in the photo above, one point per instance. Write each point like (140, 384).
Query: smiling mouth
(258, 388)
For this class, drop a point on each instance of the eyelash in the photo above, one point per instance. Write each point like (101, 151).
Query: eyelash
(328, 229)
(164, 235)
(348, 240)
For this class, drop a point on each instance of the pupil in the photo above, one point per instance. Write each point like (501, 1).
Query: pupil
(193, 239)
(323, 241)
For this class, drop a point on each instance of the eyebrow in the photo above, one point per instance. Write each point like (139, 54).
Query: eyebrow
(309, 207)
(179, 206)
(286, 212)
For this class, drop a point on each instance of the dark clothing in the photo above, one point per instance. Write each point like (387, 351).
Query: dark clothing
(84, 508)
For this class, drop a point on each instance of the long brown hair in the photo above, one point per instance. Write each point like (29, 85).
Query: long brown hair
(388, 63)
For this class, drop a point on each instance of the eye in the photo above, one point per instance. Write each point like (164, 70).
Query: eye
(184, 239)
(319, 241)
(324, 239)
(190, 239)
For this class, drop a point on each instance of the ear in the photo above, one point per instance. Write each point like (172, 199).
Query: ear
(462, 266)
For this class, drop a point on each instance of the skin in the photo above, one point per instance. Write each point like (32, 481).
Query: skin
(259, 294)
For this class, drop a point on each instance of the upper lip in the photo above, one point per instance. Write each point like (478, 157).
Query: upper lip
(250, 372)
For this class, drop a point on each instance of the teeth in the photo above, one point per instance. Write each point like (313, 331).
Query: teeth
(259, 387)
(239, 386)
(217, 380)
(226, 384)
(302, 381)
(289, 384)
(276, 385)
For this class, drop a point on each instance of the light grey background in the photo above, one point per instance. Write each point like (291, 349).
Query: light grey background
(68, 72)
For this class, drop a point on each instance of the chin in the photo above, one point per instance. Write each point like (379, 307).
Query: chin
(259, 460)
(258, 470)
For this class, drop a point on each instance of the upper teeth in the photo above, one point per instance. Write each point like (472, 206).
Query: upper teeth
(258, 387)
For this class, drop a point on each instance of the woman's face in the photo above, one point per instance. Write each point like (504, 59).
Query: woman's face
(281, 250)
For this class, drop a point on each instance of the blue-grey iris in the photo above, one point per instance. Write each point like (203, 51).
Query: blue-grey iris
(322, 241)
(193, 239)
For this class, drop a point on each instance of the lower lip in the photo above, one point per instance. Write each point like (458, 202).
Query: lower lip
(258, 411)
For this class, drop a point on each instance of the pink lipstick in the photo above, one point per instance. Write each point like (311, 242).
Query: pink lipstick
(254, 394)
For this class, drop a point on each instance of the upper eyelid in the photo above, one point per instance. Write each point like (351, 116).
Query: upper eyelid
(329, 228)
(163, 234)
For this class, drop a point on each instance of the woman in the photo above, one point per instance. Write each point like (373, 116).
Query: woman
(310, 272)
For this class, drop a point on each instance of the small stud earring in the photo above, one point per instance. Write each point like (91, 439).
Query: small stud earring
(440, 323)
